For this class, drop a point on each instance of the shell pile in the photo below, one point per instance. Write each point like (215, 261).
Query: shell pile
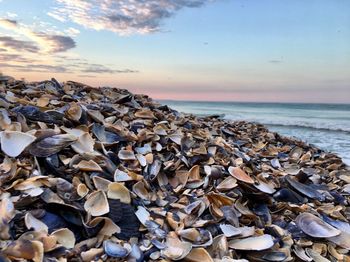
(101, 174)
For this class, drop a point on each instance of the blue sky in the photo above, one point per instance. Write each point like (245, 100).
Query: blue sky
(232, 50)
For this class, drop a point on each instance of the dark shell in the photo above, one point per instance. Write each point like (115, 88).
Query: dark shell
(33, 113)
(288, 195)
(305, 189)
(50, 145)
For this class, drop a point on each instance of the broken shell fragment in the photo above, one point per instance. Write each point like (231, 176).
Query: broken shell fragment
(96, 203)
(13, 142)
(119, 191)
(240, 175)
(252, 243)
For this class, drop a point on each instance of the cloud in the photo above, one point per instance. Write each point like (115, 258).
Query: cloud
(8, 23)
(42, 68)
(12, 15)
(40, 41)
(56, 43)
(19, 45)
(100, 69)
(122, 17)
(275, 61)
(72, 31)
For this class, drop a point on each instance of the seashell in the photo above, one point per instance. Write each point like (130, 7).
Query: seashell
(33, 113)
(176, 249)
(65, 237)
(142, 214)
(240, 175)
(5, 120)
(296, 153)
(82, 190)
(287, 195)
(89, 166)
(33, 223)
(96, 203)
(264, 187)
(140, 190)
(126, 155)
(101, 183)
(252, 243)
(118, 191)
(84, 144)
(147, 114)
(74, 112)
(315, 227)
(7, 213)
(305, 190)
(300, 252)
(43, 101)
(13, 143)
(109, 227)
(198, 255)
(51, 145)
(315, 255)
(92, 254)
(115, 250)
(229, 230)
(25, 249)
(342, 240)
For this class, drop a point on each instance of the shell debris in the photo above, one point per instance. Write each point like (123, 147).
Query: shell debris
(101, 174)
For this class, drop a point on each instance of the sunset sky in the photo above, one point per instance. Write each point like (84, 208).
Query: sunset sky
(229, 50)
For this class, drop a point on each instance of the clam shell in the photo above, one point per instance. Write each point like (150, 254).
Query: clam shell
(126, 155)
(88, 166)
(229, 230)
(65, 237)
(96, 203)
(13, 143)
(227, 184)
(119, 191)
(315, 227)
(198, 255)
(33, 223)
(252, 243)
(176, 249)
(113, 249)
(240, 175)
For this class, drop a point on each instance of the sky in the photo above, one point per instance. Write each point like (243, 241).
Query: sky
(211, 50)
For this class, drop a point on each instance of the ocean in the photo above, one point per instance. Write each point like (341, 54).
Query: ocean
(326, 126)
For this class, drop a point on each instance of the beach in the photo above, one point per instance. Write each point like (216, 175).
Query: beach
(95, 174)
(325, 125)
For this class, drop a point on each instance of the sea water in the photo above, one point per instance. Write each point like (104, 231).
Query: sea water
(326, 126)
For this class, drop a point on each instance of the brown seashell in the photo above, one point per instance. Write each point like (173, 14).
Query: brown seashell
(96, 203)
(118, 191)
(240, 175)
(198, 255)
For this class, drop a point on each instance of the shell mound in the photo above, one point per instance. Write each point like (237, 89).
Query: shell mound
(100, 174)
